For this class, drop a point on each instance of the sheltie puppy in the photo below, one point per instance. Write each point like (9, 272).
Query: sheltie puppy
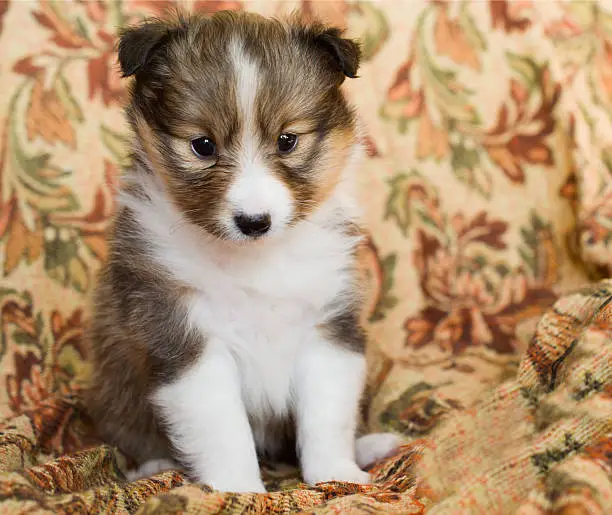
(226, 323)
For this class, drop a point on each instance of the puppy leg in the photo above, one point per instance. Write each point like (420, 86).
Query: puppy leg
(328, 384)
(208, 423)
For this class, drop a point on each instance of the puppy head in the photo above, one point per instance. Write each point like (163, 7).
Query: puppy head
(241, 116)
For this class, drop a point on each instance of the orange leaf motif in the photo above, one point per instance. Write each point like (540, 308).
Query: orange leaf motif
(104, 77)
(508, 16)
(27, 67)
(6, 214)
(21, 243)
(509, 163)
(451, 41)
(64, 34)
(402, 92)
(431, 140)
(47, 116)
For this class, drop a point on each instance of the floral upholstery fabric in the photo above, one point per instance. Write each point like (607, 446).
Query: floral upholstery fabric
(487, 193)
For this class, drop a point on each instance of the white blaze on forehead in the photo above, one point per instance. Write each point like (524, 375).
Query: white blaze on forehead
(247, 82)
(255, 190)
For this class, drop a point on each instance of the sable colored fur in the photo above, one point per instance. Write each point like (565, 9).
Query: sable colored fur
(226, 321)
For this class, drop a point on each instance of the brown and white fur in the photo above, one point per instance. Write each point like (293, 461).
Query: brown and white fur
(214, 346)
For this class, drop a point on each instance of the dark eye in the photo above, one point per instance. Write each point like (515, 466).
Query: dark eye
(204, 147)
(286, 143)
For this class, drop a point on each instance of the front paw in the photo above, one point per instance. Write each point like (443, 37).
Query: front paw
(344, 471)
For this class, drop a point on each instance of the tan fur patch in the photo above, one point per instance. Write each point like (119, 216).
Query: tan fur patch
(339, 145)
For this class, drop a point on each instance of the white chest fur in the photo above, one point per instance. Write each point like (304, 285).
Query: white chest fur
(262, 300)
(266, 306)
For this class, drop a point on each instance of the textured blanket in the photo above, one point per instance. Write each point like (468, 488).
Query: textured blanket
(538, 444)
(487, 192)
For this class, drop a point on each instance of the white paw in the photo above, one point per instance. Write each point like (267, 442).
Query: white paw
(371, 448)
(150, 468)
(237, 485)
(345, 471)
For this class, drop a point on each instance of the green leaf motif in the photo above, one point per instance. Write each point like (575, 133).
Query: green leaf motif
(40, 180)
(587, 117)
(473, 35)
(398, 207)
(371, 27)
(467, 166)
(386, 301)
(502, 269)
(115, 13)
(393, 416)
(402, 125)
(526, 68)
(62, 262)
(118, 145)
(480, 261)
(531, 242)
(429, 221)
(62, 88)
(394, 111)
(450, 96)
(81, 28)
(404, 202)
(537, 222)
(528, 258)
(22, 338)
(606, 157)
(39, 320)
(7, 291)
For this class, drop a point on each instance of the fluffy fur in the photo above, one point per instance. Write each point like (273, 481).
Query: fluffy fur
(215, 345)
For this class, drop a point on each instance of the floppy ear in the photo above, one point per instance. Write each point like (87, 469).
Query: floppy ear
(345, 52)
(138, 43)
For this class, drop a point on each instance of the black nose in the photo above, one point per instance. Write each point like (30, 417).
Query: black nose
(253, 225)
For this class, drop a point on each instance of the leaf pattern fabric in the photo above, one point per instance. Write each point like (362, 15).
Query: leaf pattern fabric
(487, 192)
